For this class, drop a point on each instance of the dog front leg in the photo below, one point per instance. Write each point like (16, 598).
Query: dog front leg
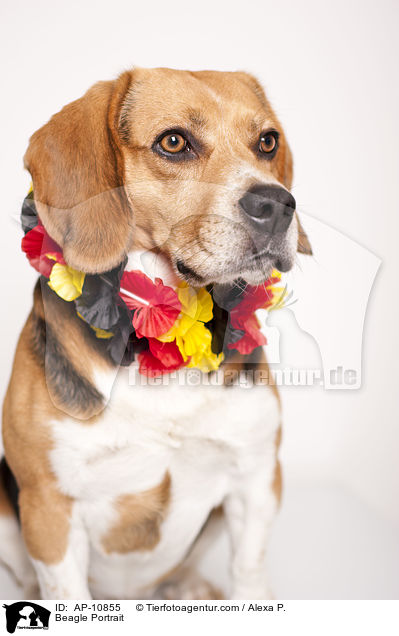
(250, 510)
(56, 541)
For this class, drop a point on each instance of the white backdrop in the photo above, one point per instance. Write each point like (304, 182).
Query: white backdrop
(330, 70)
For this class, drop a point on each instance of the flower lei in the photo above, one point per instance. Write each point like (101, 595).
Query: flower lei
(164, 328)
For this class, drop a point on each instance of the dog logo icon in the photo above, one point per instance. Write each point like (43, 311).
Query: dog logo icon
(26, 615)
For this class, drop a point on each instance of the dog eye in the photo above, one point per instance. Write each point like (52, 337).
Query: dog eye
(173, 143)
(268, 142)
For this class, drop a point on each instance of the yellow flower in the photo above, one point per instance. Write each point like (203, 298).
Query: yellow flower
(279, 294)
(66, 281)
(102, 333)
(193, 341)
(206, 360)
(195, 306)
(192, 337)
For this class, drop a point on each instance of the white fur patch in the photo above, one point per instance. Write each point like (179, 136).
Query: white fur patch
(209, 438)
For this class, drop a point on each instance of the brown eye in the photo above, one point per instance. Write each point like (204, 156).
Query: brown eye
(173, 143)
(268, 142)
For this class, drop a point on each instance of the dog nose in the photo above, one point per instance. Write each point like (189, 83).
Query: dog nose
(269, 207)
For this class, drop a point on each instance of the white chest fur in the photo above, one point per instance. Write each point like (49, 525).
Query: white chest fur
(207, 438)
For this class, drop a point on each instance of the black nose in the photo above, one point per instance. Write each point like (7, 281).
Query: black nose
(269, 207)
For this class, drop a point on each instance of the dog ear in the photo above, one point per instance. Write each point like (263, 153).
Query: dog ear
(303, 246)
(77, 172)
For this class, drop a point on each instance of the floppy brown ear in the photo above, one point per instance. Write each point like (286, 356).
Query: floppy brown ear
(304, 246)
(77, 171)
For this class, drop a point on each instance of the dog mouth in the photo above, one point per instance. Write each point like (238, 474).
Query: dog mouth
(228, 251)
(188, 273)
(255, 269)
(282, 262)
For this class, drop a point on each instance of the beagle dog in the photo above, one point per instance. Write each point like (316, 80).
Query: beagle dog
(110, 486)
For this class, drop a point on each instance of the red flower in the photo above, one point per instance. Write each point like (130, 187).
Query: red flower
(37, 245)
(259, 297)
(156, 306)
(242, 316)
(162, 357)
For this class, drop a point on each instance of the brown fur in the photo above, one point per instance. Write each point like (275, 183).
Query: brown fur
(5, 505)
(32, 402)
(139, 519)
(28, 410)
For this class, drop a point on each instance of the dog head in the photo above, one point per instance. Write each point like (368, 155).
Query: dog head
(193, 165)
